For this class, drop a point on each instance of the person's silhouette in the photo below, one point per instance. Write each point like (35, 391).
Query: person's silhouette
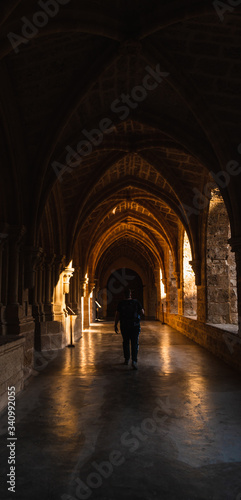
(129, 314)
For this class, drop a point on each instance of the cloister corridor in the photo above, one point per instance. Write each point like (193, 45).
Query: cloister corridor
(120, 168)
(175, 423)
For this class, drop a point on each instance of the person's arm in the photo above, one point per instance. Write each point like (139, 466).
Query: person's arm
(140, 308)
(117, 317)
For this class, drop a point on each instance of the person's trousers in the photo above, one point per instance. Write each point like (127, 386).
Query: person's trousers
(130, 335)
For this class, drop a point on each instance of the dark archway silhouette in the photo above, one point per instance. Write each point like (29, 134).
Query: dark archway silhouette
(117, 282)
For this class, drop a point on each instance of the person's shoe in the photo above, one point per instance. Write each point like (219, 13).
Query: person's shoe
(134, 365)
(126, 361)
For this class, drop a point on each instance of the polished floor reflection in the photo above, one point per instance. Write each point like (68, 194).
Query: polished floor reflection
(90, 427)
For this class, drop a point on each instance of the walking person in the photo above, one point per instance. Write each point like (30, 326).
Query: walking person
(129, 314)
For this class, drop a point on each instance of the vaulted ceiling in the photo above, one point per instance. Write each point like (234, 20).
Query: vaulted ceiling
(130, 185)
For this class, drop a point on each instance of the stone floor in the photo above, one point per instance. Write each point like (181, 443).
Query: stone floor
(89, 427)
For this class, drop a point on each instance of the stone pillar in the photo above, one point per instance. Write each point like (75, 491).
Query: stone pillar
(12, 309)
(84, 304)
(168, 305)
(91, 301)
(58, 299)
(67, 274)
(201, 290)
(58, 267)
(236, 247)
(196, 266)
(33, 257)
(40, 287)
(201, 304)
(4, 272)
(49, 260)
(3, 281)
(77, 292)
(104, 300)
(180, 298)
(13, 271)
(2, 242)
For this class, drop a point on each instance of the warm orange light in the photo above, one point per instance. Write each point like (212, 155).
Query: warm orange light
(163, 293)
(188, 274)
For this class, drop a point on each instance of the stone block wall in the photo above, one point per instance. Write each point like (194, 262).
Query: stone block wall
(224, 344)
(220, 265)
(11, 366)
(189, 287)
(53, 335)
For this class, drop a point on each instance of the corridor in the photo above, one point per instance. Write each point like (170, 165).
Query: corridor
(89, 427)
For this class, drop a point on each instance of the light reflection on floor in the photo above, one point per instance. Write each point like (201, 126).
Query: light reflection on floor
(76, 411)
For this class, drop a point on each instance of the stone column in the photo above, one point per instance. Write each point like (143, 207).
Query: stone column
(40, 285)
(165, 300)
(4, 272)
(13, 271)
(201, 309)
(180, 298)
(85, 300)
(77, 285)
(49, 260)
(3, 281)
(58, 267)
(2, 243)
(91, 301)
(12, 309)
(58, 288)
(236, 247)
(33, 257)
(201, 290)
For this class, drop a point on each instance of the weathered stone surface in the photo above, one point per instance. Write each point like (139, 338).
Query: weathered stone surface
(11, 368)
(221, 342)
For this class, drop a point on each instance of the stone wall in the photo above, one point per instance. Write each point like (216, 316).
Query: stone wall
(11, 366)
(173, 288)
(221, 267)
(233, 293)
(223, 343)
(189, 288)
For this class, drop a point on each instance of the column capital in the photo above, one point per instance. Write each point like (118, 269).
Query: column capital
(196, 266)
(83, 286)
(67, 274)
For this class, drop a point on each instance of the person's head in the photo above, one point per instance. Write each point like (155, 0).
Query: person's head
(127, 293)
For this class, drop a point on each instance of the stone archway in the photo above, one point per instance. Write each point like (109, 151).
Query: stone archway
(220, 265)
(116, 284)
(189, 287)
